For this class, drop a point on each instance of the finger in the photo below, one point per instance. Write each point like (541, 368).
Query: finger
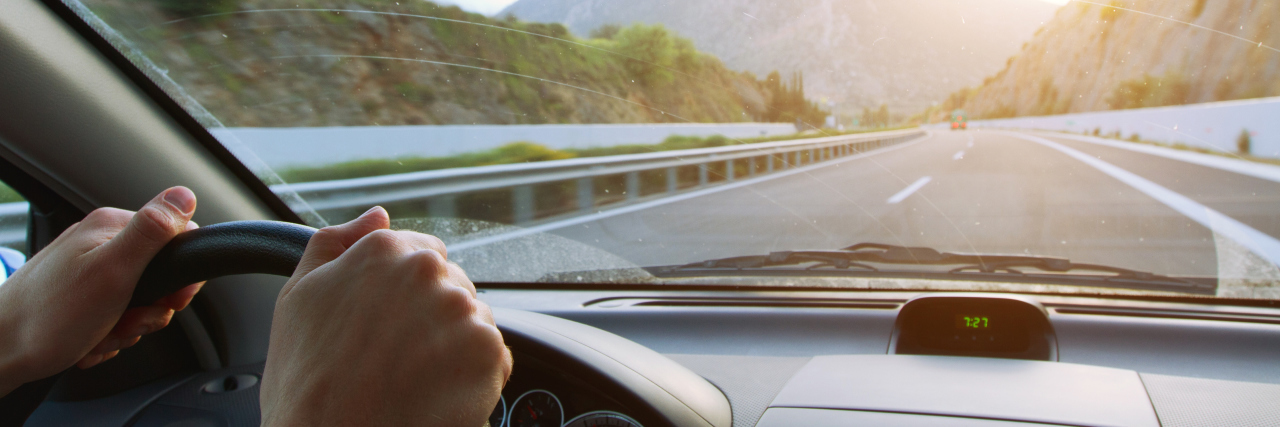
(139, 321)
(90, 360)
(112, 343)
(331, 242)
(180, 299)
(459, 277)
(150, 229)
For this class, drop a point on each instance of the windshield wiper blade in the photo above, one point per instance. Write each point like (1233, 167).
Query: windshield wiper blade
(862, 254)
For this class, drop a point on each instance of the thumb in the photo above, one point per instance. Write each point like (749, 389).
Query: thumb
(331, 242)
(151, 228)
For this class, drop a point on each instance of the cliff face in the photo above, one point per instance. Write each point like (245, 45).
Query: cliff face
(1091, 57)
(363, 62)
(857, 53)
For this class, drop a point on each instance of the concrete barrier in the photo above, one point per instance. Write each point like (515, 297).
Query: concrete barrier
(1214, 125)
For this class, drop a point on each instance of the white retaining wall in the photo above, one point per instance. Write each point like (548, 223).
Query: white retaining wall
(1214, 125)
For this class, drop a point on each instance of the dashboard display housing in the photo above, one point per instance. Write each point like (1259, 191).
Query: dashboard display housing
(999, 326)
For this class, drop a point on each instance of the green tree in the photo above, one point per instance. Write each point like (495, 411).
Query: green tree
(652, 52)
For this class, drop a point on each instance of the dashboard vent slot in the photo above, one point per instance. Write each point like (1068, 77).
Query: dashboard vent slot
(1172, 314)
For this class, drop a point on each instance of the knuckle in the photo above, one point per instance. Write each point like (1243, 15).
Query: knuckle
(154, 225)
(455, 302)
(487, 342)
(429, 263)
(382, 240)
(437, 244)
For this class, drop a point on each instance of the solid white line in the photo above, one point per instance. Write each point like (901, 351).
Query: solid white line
(1243, 167)
(1258, 242)
(959, 155)
(907, 192)
(460, 246)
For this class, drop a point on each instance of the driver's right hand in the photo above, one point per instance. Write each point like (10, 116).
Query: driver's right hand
(376, 327)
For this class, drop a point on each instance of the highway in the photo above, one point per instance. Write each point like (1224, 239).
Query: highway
(975, 191)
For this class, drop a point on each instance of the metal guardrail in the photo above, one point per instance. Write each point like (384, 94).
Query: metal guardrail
(440, 188)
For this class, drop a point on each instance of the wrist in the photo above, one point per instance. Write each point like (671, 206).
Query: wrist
(14, 370)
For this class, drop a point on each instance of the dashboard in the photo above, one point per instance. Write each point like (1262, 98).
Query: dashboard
(780, 358)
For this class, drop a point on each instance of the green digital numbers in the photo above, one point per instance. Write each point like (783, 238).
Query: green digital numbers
(973, 322)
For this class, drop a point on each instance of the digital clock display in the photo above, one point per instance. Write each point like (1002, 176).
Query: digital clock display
(972, 322)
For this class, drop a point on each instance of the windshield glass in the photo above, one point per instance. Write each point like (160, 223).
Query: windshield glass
(1033, 145)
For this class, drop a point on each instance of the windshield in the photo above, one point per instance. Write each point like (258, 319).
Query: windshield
(1032, 145)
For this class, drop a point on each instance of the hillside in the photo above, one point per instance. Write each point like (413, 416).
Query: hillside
(1092, 58)
(857, 53)
(276, 63)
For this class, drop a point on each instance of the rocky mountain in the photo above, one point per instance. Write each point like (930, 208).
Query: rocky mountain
(1136, 53)
(857, 53)
(272, 63)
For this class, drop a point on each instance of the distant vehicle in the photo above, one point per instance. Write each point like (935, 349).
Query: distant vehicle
(959, 120)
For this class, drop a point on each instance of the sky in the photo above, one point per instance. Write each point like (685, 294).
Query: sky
(491, 7)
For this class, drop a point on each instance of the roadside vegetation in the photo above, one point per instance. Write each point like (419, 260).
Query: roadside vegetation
(8, 195)
(331, 63)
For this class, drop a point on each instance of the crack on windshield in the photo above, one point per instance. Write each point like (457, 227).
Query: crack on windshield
(410, 15)
(1170, 18)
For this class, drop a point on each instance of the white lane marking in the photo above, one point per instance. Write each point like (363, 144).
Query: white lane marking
(959, 155)
(1258, 242)
(907, 192)
(1243, 167)
(543, 228)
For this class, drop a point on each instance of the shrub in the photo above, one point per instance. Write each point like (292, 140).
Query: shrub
(1198, 9)
(652, 53)
(1151, 91)
(1244, 143)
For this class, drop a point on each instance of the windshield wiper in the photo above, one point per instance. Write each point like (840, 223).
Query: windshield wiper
(857, 260)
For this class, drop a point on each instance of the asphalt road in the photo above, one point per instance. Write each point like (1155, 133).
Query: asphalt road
(985, 192)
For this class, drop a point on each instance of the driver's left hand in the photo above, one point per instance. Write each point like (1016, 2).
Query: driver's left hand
(67, 305)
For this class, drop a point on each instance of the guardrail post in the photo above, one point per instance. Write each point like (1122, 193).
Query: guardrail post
(813, 155)
(633, 185)
(751, 166)
(797, 162)
(769, 163)
(522, 203)
(445, 206)
(672, 180)
(728, 170)
(586, 195)
(702, 174)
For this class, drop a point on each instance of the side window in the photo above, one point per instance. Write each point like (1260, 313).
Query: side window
(14, 213)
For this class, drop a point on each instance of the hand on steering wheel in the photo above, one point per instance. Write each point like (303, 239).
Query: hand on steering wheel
(376, 327)
(67, 305)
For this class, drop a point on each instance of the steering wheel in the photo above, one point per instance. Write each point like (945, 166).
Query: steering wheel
(229, 248)
(655, 387)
